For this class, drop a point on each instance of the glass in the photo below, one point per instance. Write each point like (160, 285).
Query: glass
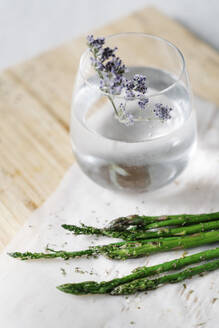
(150, 153)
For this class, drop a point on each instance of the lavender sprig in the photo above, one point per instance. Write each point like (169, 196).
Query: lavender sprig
(95, 43)
(111, 70)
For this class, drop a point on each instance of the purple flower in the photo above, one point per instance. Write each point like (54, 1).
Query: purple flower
(140, 84)
(109, 67)
(136, 84)
(111, 85)
(129, 94)
(95, 43)
(106, 53)
(115, 66)
(143, 102)
(130, 85)
(162, 112)
(111, 72)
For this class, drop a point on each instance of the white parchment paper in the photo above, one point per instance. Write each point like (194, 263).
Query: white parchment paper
(28, 297)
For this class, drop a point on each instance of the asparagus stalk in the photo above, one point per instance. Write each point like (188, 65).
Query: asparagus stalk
(141, 234)
(149, 284)
(125, 250)
(160, 221)
(91, 251)
(179, 231)
(198, 239)
(104, 287)
(88, 230)
(174, 222)
(54, 254)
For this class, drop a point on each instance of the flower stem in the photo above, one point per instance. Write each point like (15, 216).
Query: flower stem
(114, 106)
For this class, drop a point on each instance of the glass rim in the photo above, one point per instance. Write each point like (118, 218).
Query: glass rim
(146, 35)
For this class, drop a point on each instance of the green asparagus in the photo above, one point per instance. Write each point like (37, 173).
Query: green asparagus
(198, 239)
(148, 284)
(104, 287)
(131, 249)
(159, 221)
(141, 234)
(53, 254)
(91, 251)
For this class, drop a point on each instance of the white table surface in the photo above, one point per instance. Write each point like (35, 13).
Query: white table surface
(29, 27)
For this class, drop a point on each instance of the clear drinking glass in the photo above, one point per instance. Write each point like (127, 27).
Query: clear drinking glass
(150, 153)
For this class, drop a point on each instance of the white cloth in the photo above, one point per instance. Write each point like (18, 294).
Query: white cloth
(27, 288)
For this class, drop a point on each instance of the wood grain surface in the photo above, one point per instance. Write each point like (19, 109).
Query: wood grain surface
(35, 101)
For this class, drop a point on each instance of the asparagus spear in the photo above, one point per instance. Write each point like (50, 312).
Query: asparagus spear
(53, 254)
(91, 251)
(125, 250)
(174, 222)
(141, 234)
(198, 239)
(159, 221)
(88, 230)
(148, 284)
(179, 231)
(104, 287)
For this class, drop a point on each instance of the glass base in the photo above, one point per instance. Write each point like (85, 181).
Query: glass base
(137, 179)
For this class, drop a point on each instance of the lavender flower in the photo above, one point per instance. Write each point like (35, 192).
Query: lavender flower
(162, 112)
(115, 66)
(111, 70)
(140, 84)
(130, 85)
(95, 43)
(129, 94)
(143, 102)
(106, 53)
(135, 88)
(109, 67)
(111, 85)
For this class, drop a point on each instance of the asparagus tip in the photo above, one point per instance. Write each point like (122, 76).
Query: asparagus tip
(61, 288)
(14, 254)
(71, 289)
(11, 254)
(81, 288)
(18, 255)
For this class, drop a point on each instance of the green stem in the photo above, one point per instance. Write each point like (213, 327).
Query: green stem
(114, 106)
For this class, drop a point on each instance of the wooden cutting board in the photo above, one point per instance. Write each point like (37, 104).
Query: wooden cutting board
(35, 99)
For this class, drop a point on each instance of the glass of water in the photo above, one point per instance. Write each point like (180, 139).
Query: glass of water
(149, 153)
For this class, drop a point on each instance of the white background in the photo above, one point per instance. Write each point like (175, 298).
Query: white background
(28, 27)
